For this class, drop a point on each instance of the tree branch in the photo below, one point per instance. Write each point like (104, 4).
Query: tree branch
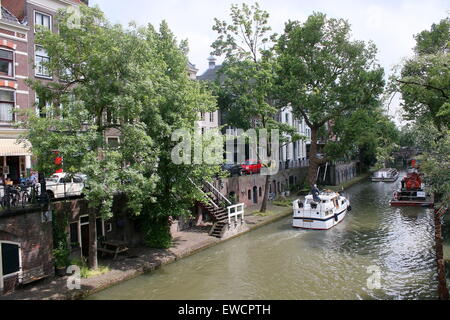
(429, 87)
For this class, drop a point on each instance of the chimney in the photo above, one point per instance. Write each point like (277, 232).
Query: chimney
(211, 60)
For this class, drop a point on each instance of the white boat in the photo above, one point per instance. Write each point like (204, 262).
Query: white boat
(323, 215)
(385, 175)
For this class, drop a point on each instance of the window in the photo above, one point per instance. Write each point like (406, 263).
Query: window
(211, 117)
(41, 59)
(113, 142)
(6, 106)
(77, 180)
(6, 63)
(74, 242)
(10, 257)
(287, 117)
(249, 194)
(42, 107)
(44, 20)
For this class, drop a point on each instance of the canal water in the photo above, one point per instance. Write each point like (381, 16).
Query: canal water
(377, 252)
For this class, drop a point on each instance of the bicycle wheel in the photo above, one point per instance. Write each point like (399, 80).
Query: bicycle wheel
(25, 199)
(15, 199)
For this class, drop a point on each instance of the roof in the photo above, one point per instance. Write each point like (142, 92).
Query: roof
(210, 74)
(8, 16)
(17, 7)
(12, 147)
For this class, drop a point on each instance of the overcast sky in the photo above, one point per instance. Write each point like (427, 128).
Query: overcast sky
(390, 24)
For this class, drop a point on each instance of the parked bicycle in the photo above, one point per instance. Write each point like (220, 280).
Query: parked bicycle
(28, 193)
(11, 197)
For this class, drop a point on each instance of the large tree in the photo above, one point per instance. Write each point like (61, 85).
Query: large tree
(130, 83)
(177, 104)
(424, 81)
(367, 134)
(246, 86)
(324, 75)
(103, 85)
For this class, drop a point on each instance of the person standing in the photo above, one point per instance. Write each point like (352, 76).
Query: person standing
(315, 193)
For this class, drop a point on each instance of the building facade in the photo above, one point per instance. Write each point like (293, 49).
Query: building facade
(21, 59)
(25, 237)
(14, 94)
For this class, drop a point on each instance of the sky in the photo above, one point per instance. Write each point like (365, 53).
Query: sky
(390, 24)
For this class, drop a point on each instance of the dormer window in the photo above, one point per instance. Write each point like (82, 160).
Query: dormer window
(42, 19)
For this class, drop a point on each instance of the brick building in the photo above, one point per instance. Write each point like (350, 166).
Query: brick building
(21, 59)
(26, 235)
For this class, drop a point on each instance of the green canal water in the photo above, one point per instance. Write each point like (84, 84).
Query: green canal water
(277, 262)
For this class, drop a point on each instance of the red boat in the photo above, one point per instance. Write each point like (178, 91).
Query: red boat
(412, 193)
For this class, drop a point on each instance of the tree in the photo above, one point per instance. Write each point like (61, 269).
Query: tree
(105, 82)
(324, 75)
(424, 81)
(131, 83)
(177, 103)
(367, 134)
(247, 76)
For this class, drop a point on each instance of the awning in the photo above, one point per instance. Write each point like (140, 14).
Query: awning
(14, 148)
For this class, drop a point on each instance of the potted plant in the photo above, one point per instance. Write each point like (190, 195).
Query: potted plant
(62, 260)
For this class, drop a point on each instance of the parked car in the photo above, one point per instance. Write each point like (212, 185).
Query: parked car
(251, 166)
(233, 169)
(62, 185)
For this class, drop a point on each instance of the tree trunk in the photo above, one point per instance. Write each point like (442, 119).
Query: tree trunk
(266, 195)
(313, 161)
(442, 287)
(93, 262)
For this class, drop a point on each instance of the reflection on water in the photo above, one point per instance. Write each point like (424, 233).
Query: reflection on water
(278, 262)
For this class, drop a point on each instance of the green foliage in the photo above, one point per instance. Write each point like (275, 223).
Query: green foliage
(106, 82)
(424, 83)
(85, 272)
(367, 134)
(62, 256)
(157, 233)
(245, 87)
(424, 80)
(326, 77)
(126, 82)
(324, 74)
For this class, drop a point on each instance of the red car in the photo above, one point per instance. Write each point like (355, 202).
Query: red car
(251, 166)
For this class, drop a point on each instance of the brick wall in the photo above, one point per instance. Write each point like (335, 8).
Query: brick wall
(36, 241)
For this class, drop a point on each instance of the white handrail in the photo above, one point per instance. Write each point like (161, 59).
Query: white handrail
(235, 211)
